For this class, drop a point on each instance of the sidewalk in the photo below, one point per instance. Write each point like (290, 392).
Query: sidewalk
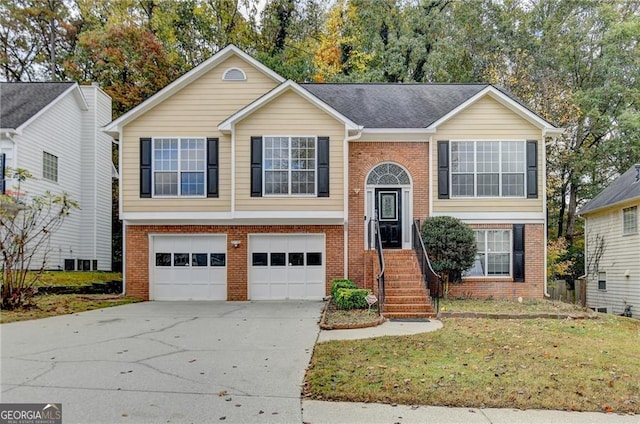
(318, 412)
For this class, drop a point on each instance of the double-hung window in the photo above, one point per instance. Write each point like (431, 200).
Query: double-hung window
(494, 254)
(630, 220)
(488, 168)
(49, 167)
(289, 166)
(179, 166)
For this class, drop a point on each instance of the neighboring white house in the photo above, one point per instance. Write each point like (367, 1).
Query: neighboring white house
(53, 131)
(612, 246)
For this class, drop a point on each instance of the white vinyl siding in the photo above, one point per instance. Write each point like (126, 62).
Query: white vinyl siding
(488, 168)
(84, 166)
(618, 260)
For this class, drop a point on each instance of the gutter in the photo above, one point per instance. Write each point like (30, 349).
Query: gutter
(345, 194)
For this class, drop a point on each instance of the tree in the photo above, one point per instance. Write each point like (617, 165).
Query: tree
(127, 60)
(26, 226)
(451, 246)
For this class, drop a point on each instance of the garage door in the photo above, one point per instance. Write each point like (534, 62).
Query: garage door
(189, 268)
(286, 266)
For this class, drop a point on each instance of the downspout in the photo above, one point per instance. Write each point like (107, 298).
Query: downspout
(233, 170)
(124, 223)
(345, 183)
(95, 175)
(429, 177)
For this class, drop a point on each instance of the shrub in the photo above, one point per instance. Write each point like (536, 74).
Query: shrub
(451, 245)
(352, 298)
(341, 283)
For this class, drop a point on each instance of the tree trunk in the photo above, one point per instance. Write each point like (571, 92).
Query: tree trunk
(571, 213)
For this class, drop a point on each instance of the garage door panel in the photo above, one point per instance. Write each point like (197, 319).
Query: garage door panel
(268, 279)
(185, 269)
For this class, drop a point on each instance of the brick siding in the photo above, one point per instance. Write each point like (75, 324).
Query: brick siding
(363, 157)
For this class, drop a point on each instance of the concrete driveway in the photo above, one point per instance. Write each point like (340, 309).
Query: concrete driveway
(164, 362)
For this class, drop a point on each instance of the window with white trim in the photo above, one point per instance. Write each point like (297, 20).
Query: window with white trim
(49, 167)
(488, 168)
(179, 166)
(630, 220)
(494, 254)
(289, 166)
(602, 280)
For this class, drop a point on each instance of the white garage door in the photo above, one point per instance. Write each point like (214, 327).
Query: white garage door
(189, 268)
(286, 266)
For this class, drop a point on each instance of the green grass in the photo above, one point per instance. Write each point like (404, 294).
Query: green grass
(66, 278)
(582, 365)
(61, 304)
(507, 306)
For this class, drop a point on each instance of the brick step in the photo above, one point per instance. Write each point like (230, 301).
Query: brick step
(392, 299)
(399, 284)
(405, 291)
(410, 315)
(407, 307)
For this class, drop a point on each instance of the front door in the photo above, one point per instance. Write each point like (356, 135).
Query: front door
(389, 213)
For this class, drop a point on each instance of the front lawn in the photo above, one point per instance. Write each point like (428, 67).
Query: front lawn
(582, 365)
(507, 306)
(61, 304)
(76, 278)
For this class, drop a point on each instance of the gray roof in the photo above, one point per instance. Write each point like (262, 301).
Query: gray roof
(384, 105)
(625, 187)
(19, 101)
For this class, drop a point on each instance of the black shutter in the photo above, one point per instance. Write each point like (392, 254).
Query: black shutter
(443, 169)
(3, 158)
(518, 253)
(532, 169)
(145, 167)
(323, 166)
(256, 166)
(212, 167)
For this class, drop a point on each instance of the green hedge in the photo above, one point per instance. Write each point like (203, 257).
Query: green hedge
(351, 298)
(341, 283)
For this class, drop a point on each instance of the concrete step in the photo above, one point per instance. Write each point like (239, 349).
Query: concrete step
(407, 307)
(410, 315)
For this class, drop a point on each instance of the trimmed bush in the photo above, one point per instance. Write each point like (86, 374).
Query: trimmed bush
(341, 283)
(351, 298)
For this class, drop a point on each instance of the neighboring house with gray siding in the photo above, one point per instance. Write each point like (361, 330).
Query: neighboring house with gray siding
(53, 131)
(612, 246)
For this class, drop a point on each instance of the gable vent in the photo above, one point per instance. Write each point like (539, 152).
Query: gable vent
(234, 74)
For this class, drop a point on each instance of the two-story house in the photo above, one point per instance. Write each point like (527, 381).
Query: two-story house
(53, 130)
(612, 246)
(237, 184)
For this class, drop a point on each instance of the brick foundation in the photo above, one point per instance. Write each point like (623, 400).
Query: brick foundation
(137, 252)
(506, 288)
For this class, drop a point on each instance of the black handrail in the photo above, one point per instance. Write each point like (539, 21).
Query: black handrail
(433, 281)
(380, 277)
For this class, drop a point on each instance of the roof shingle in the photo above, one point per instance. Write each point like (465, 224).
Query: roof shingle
(625, 187)
(383, 105)
(19, 101)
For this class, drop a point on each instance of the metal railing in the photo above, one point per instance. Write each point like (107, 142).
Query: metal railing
(431, 279)
(374, 233)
